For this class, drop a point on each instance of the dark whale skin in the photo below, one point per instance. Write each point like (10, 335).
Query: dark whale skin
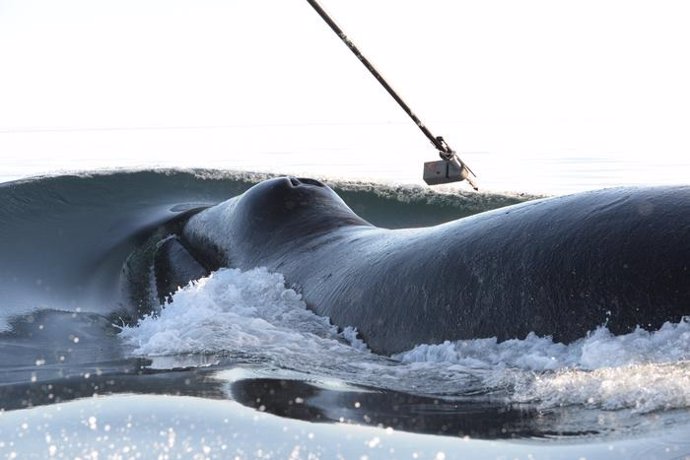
(557, 267)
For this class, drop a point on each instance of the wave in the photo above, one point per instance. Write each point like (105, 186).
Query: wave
(64, 239)
(254, 313)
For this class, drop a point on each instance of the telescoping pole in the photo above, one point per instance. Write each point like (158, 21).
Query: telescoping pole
(450, 168)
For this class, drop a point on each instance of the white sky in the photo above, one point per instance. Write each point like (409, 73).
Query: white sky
(506, 83)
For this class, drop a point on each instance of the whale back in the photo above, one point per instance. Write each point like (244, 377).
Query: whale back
(560, 266)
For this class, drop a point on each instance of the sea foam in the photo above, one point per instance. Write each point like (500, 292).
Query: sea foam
(255, 314)
(231, 310)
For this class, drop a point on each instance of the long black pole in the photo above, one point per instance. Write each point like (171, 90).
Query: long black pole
(438, 142)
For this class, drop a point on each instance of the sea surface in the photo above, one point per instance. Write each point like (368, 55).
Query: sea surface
(236, 365)
(118, 118)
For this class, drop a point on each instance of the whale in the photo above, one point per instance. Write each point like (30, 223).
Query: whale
(560, 266)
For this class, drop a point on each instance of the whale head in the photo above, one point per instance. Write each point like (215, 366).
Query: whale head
(291, 205)
(274, 213)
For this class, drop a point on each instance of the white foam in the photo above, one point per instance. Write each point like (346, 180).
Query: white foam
(642, 371)
(253, 313)
(597, 350)
(640, 387)
(231, 310)
(532, 353)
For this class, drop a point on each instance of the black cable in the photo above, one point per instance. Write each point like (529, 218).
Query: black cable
(438, 142)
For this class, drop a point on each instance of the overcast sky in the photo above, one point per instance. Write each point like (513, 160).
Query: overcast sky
(528, 78)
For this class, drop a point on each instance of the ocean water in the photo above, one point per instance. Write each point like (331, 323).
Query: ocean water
(523, 159)
(118, 118)
(236, 365)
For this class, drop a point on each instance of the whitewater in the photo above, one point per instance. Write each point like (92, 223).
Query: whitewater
(234, 312)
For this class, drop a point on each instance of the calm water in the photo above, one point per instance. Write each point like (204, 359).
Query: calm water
(391, 153)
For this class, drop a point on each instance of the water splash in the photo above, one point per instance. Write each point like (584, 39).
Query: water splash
(234, 310)
(254, 314)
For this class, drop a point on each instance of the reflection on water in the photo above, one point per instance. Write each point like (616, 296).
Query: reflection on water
(389, 409)
(479, 417)
(100, 379)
